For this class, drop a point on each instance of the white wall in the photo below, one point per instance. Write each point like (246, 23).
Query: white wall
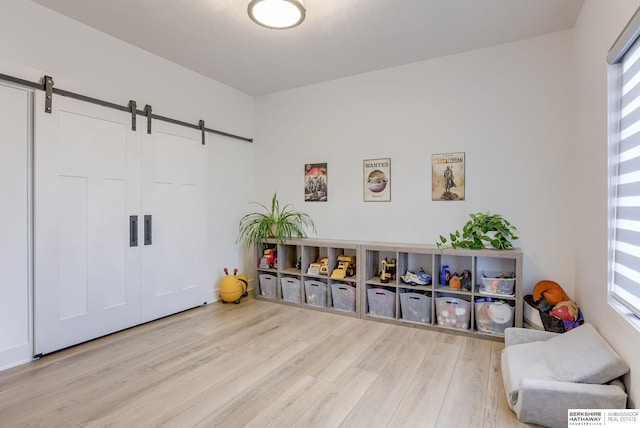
(597, 28)
(35, 41)
(509, 108)
(15, 259)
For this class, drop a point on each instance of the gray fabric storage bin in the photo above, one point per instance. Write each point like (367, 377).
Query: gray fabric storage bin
(344, 297)
(381, 302)
(268, 285)
(416, 307)
(291, 289)
(316, 292)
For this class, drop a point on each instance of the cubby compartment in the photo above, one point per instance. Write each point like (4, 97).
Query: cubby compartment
(415, 269)
(496, 276)
(316, 292)
(343, 263)
(448, 266)
(316, 262)
(290, 259)
(291, 289)
(493, 315)
(415, 307)
(453, 312)
(268, 257)
(381, 267)
(343, 297)
(381, 302)
(268, 285)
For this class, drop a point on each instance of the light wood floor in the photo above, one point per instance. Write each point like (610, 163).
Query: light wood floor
(260, 364)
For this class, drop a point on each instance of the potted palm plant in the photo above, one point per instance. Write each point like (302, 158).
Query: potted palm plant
(275, 222)
(483, 230)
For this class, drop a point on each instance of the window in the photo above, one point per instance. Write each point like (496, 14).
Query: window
(624, 167)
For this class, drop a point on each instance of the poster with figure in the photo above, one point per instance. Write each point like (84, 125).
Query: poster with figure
(377, 180)
(447, 177)
(315, 182)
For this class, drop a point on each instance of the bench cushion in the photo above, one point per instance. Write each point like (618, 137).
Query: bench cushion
(580, 355)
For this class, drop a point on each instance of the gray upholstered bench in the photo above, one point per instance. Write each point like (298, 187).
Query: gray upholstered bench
(545, 374)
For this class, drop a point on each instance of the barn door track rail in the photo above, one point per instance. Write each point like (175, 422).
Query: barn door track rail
(47, 85)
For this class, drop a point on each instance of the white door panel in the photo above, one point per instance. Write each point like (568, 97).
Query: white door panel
(190, 203)
(87, 278)
(114, 246)
(174, 193)
(72, 247)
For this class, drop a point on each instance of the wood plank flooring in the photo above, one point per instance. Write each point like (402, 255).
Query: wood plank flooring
(259, 364)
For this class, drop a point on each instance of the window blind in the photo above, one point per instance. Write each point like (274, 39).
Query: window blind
(625, 182)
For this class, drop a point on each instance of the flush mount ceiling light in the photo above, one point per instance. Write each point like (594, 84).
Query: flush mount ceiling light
(276, 14)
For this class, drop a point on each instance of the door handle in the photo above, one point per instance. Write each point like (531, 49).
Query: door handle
(147, 229)
(133, 230)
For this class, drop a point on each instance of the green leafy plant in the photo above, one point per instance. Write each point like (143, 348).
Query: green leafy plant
(279, 223)
(483, 229)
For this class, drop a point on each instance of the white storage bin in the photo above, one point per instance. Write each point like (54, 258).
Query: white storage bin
(531, 314)
(291, 290)
(268, 285)
(344, 297)
(381, 302)
(493, 316)
(492, 283)
(454, 313)
(416, 307)
(316, 292)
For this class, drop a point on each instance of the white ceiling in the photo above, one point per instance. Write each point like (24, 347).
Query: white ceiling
(339, 38)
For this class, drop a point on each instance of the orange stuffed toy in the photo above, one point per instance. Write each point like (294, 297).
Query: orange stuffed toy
(551, 291)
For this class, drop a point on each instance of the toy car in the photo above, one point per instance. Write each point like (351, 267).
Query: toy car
(269, 259)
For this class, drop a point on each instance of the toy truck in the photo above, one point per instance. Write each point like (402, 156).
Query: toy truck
(388, 270)
(320, 267)
(269, 259)
(324, 265)
(346, 267)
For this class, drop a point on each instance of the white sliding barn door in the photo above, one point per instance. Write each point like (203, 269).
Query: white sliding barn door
(174, 194)
(87, 184)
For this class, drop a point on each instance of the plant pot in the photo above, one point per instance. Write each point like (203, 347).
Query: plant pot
(492, 236)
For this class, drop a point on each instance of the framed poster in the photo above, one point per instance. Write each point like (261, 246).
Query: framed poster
(377, 180)
(315, 182)
(447, 177)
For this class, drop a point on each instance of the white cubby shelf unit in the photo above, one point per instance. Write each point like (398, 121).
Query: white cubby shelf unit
(298, 285)
(479, 310)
